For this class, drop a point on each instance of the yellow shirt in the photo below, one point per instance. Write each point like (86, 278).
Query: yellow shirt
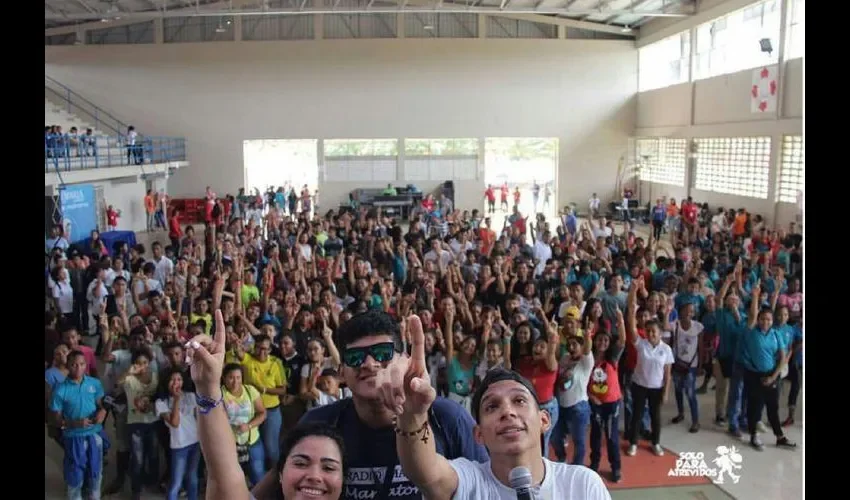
(207, 319)
(250, 293)
(266, 374)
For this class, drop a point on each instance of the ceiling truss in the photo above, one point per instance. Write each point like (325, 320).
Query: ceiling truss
(92, 14)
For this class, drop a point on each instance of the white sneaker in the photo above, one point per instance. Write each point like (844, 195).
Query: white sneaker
(658, 450)
(761, 428)
(632, 450)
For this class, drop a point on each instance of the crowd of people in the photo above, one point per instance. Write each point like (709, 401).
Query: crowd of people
(342, 355)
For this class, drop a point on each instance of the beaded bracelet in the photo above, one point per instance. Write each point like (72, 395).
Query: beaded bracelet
(425, 430)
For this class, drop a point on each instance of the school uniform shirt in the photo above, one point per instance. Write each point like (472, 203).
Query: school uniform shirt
(757, 349)
(371, 456)
(651, 360)
(326, 399)
(76, 401)
(561, 481)
(186, 432)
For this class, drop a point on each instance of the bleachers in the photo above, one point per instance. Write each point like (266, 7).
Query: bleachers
(110, 150)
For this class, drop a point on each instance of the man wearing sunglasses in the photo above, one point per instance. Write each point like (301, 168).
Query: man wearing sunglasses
(373, 359)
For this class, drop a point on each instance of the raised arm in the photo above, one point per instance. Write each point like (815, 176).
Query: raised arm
(415, 441)
(224, 474)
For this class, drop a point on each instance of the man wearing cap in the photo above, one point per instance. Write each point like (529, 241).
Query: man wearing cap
(510, 425)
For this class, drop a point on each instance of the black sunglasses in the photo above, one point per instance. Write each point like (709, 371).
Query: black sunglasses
(356, 356)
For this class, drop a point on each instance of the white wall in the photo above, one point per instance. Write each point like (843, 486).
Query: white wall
(218, 94)
(720, 107)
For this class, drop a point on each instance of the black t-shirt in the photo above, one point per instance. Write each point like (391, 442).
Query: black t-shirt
(292, 368)
(371, 456)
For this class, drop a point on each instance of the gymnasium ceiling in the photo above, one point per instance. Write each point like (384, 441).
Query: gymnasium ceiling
(601, 15)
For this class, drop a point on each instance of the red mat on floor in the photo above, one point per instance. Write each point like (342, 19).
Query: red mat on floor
(644, 470)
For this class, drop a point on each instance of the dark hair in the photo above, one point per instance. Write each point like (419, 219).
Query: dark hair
(74, 354)
(498, 375)
(298, 434)
(138, 353)
(369, 323)
(229, 368)
(165, 379)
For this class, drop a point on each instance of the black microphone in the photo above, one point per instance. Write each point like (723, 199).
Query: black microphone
(520, 479)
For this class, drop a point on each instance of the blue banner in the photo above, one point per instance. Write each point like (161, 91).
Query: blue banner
(79, 211)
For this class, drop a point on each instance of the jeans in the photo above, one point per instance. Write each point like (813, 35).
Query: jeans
(551, 407)
(270, 432)
(574, 421)
(685, 384)
(604, 419)
(736, 404)
(75, 492)
(255, 468)
(642, 395)
(184, 470)
(144, 456)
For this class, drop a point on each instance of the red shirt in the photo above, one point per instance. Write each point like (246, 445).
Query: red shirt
(631, 351)
(689, 213)
(540, 377)
(604, 383)
(491, 196)
(111, 217)
(174, 230)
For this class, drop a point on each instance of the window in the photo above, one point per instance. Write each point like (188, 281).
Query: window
(361, 160)
(440, 159)
(664, 63)
(440, 147)
(791, 169)
(662, 160)
(361, 147)
(796, 46)
(737, 165)
(732, 43)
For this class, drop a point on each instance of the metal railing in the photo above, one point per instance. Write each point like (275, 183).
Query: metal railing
(76, 104)
(66, 153)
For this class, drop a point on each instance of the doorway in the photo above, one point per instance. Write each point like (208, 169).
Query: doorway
(526, 164)
(280, 162)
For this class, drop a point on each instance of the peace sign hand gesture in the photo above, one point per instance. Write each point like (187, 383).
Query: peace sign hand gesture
(406, 387)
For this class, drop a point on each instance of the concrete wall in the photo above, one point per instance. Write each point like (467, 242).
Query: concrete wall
(720, 107)
(218, 94)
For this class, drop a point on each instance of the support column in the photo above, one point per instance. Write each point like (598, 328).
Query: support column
(776, 140)
(159, 30)
(401, 174)
(318, 26)
(482, 26)
(237, 28)
(80, 36)
(562, 32)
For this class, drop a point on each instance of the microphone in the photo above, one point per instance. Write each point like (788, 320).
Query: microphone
(520, 479)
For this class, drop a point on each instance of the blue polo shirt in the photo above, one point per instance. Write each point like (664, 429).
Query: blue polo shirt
(757, 349)
(729, 331)
(76, 401)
